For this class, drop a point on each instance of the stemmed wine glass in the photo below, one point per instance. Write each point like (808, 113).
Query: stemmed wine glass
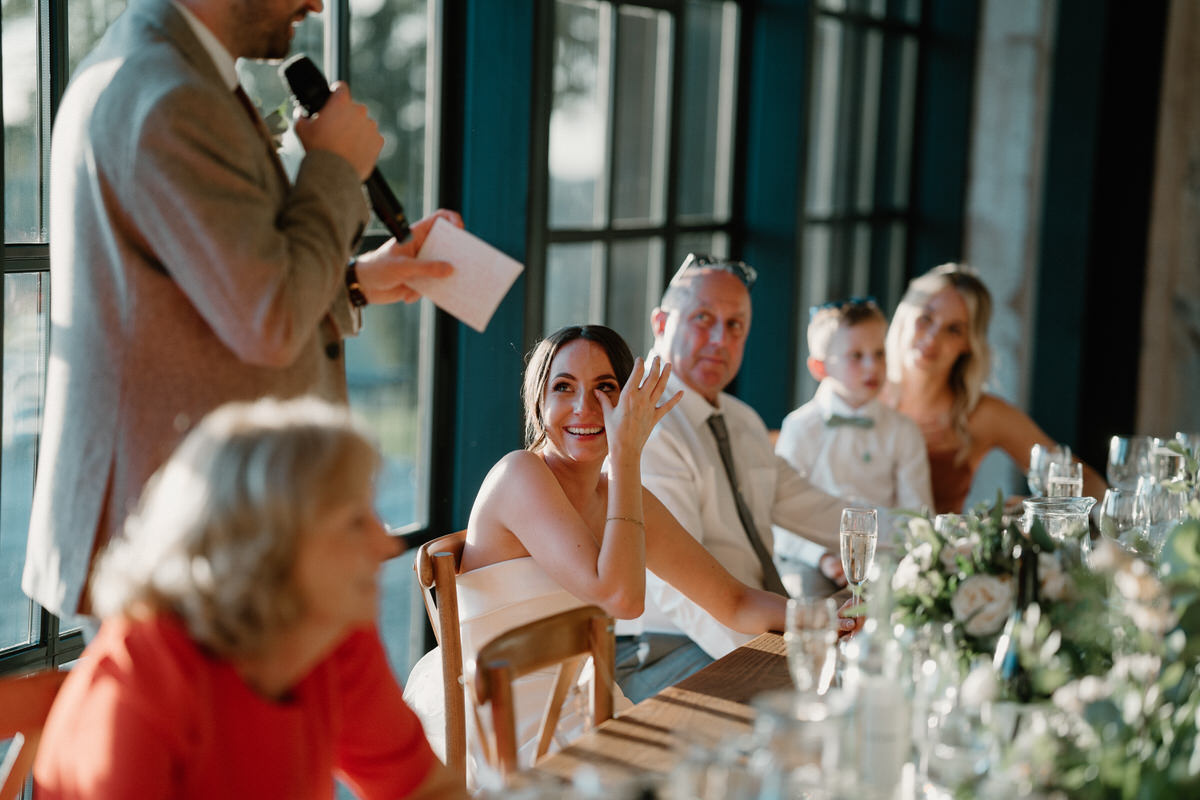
(811, 635)
(859, 532)
(1128, 459)
(1123, 516)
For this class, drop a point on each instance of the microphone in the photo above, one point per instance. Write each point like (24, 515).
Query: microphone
(311, 90)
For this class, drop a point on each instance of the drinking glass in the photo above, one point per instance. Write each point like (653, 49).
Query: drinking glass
(859, 533)
(1128, 459)
(1165, 463)
(1123, 516)
(1040, 459)
(951, 526)
(1064, 480)
(1191, 443)
(1164, 509)
(811, 636)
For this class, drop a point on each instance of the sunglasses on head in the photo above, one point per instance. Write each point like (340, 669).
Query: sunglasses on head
(839, 305)
(739, 269)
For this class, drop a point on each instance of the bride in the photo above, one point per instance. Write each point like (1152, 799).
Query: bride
(551, 529)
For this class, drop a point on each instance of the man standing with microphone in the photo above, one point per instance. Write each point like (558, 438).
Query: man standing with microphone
(187, 270)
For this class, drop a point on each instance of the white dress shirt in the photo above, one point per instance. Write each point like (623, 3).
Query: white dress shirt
(884, 465)
(682, 467)
(221, 57)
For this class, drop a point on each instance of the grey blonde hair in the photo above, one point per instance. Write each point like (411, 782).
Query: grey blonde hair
(969, 374)
(215, 536)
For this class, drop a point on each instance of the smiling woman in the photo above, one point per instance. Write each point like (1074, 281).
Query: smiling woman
(938, 361)
(238, 649)
(553, 529)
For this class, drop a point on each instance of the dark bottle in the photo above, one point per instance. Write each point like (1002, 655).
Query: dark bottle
(1015, 682)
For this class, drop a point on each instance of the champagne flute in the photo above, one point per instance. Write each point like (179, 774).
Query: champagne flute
(811, 635)
(859, 533)
(1064, 480)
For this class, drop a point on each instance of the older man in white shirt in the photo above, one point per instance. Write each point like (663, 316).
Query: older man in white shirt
(700, 327)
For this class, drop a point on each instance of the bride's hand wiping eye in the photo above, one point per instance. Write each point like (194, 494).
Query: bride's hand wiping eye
(629, 420)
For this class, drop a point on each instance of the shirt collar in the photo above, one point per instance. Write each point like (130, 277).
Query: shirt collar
(221, 58)
(830, 403)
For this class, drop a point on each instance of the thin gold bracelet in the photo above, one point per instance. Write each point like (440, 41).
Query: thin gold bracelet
(637, 522)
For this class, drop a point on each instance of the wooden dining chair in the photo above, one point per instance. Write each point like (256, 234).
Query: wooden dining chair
(565, 639)
(25, 702)
(437, 565)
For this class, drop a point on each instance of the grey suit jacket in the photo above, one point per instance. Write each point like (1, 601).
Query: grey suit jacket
(186, 273)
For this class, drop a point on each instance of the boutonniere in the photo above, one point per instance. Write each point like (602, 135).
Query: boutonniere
(276, 121)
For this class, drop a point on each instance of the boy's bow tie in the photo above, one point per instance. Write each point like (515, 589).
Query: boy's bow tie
(834, 420)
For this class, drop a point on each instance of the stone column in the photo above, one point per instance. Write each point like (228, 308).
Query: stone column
(1004, 198)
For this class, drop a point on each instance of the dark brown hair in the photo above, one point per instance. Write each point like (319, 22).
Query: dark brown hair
(537, 370)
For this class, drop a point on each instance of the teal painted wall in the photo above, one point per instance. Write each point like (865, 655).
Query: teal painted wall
(775, 140)
(497, 68)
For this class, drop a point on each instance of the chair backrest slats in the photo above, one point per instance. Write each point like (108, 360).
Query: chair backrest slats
(436, 567)
(563, 639)
(24, 705)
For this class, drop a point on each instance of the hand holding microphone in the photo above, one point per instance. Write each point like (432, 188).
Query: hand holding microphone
(343, 128)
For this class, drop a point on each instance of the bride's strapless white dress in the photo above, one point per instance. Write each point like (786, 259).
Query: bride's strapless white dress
(492, 600)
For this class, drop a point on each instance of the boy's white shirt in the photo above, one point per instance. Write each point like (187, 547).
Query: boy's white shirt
(885, 465)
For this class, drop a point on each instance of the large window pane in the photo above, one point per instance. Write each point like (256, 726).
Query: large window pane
(906, 104)
(635, 284)
(642, 100)
(824, 121)
(709, 84)
(23, 189)
(714, 243)
(26, 339)
(868, 121)
(388, 72)
(578, 154)
(383, 371)
(574, 285)
(86, 23)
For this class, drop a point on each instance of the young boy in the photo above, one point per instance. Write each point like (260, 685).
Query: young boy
(844, 440)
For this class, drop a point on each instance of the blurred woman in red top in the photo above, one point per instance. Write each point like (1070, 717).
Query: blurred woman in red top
(238, 655)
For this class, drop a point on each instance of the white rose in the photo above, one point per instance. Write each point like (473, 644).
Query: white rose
(979, 686)
(907, 573)
(982, 603)
(919, 527)
(925, 586)
(1154, 618)
(1142, 668)
(1137, 583)
(922, 555)
(1053, 583)
(1067, 698)
(952, 550)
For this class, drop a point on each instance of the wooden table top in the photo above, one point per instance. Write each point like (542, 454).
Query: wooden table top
(705, 709)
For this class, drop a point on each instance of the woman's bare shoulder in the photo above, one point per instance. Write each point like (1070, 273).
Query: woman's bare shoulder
(513, 472)
(993, 410)
(996, 421)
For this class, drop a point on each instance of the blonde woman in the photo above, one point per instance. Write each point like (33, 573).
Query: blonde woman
(238, 655)
(938, 361)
